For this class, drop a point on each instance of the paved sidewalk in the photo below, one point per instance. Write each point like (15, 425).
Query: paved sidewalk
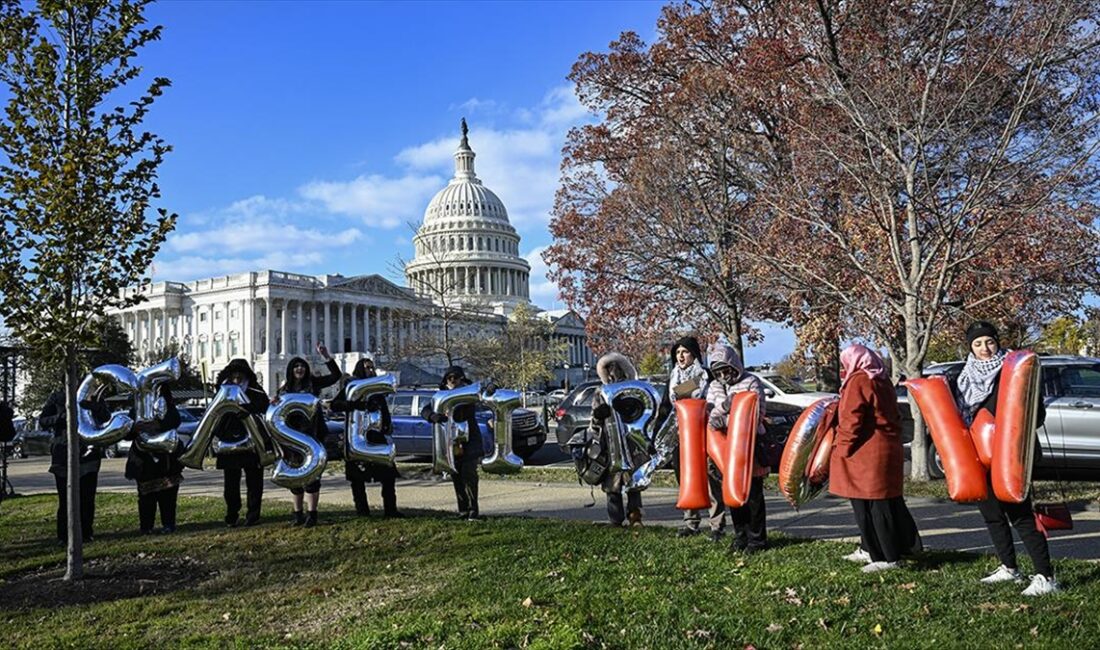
(943, 525)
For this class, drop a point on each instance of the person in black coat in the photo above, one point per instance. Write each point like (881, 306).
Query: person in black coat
(978, 387)
(468, 454)
(300, 379)
(358, 472)
(233, 430)
(158, 474)
(53, 419)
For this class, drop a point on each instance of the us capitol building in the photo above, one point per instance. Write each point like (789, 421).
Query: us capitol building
(466, 264)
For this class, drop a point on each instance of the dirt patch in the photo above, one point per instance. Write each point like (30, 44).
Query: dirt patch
(105, 579)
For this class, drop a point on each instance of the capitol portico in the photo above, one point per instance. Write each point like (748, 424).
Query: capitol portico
(466, 261)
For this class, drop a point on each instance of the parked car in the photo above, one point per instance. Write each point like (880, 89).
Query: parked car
(575, 413)
(1070, 436)
(412, 434)
(29, 440)
(781, 390)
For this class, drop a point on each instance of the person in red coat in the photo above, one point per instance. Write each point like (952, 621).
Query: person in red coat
(866, 465)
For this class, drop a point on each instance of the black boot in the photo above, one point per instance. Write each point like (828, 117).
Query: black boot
(311, 519)
(299, 518)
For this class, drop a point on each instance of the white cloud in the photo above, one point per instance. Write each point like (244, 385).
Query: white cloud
(378, 201)
(193, 267)
(544, 292)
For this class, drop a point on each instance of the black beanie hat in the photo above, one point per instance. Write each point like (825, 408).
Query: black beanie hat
(979, 329)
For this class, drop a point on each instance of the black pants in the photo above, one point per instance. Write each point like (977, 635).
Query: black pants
(886, 528)
(615, 506)
(88, 484)
(313, 487)
(389, 495)
(148, 504)
(997, 515)
(750, 521)
(254, 483)
(465, 482)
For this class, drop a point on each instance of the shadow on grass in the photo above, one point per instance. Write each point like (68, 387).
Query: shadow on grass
(105, 579)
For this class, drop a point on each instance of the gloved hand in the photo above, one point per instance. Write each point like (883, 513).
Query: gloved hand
(489, 388)
(718, 423)
(437, 418)
(601, 412)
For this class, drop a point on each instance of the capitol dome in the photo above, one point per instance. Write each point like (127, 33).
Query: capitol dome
(465, 247)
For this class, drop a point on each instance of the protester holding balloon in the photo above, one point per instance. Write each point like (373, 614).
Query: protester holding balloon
(52, 418)
(689, 380)
(300, 379)
(611, 369)
(866, 462)
(750, 525)
(467, 454)
(977, 388)
(359, 472)
(158, 474)
(230, 430)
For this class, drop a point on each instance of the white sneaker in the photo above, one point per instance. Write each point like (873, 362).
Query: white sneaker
(1041, 586)
(875, 567)
(860, 556)
(1003, 574)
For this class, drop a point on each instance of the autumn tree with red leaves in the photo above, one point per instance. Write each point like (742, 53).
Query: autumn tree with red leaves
(884, 170)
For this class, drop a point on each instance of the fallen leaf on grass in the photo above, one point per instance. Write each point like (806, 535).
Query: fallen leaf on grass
(774, 627)
(909, 586)
(225, 616)
(791, 596)
(1035, 631)
(878, 629)
(527, 602)
(698, 634)
(823, 624)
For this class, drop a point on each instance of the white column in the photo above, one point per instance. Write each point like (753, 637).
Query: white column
(283, 347)
(268, 316)
(389, 331)
(378, 329)
(313, 324)
(301, 337)
(327, 306)
(339, 328)
(354, 327)
(366, 328)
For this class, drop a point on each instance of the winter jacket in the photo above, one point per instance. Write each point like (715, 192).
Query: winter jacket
(629, 409)
(313, 385)
(233, 429)
(720, 394)
(52, 418)
(866, 461)
(357, 470)
(695, 372)
(473, 447)
(143, 466)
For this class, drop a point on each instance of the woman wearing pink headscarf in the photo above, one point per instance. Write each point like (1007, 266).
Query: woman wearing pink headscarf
(867, 464)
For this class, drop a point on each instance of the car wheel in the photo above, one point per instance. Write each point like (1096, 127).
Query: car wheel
(935, 462)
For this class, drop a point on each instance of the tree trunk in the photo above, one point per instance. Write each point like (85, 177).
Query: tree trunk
(918, 449)
(827, 365)
(74, 559)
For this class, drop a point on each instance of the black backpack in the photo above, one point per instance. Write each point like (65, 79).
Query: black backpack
(594, 459)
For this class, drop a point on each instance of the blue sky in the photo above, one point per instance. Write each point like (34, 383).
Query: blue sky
(308, 135)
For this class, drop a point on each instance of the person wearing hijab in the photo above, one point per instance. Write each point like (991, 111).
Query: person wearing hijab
(358, 472)
(300, 379)
(866, 465)
(468, 454)
(750, 526)
(613, 368)
(976, 388)
(158, 474)
(233, 430)
(689, 380)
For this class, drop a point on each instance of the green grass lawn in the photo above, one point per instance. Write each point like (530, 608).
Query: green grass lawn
(432, 582)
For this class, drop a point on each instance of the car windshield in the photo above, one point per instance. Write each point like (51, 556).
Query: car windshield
(786, 385)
